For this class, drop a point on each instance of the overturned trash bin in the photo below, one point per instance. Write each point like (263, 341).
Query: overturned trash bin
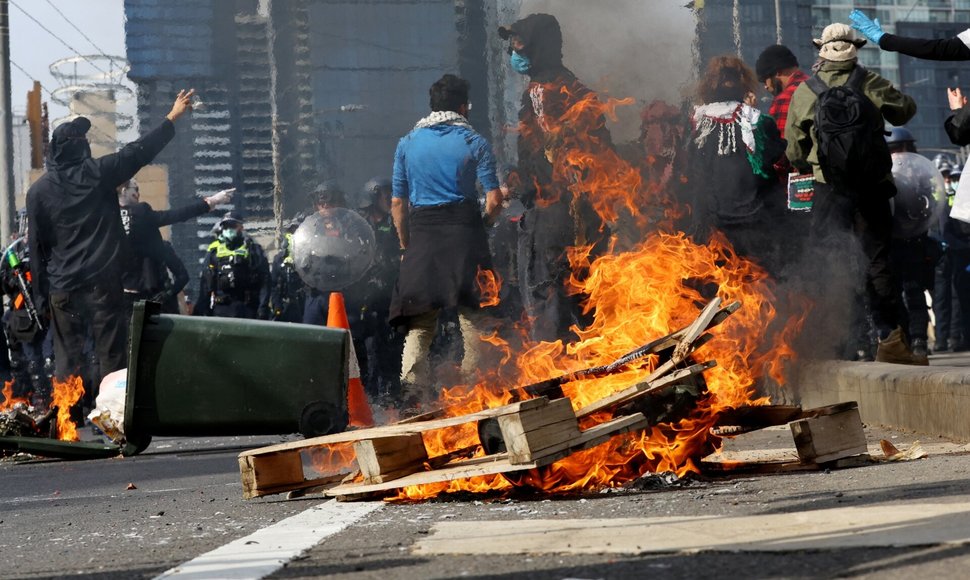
(204, 376)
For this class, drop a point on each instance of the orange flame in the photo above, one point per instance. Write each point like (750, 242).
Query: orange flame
(66, 394)
(489, 285)
(652, 289)
(8, 399)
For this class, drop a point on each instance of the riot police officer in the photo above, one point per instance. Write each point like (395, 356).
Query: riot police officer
(370, 298)
(288, 292)
(913, 253)
(235, 274)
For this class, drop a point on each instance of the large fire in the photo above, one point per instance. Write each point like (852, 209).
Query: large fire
(66, 394)
(634, 296)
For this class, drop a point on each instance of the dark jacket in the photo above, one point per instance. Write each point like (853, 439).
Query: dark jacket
(288, 293)
(553, 89)
(146, 255)
(929, 49)
(76, 236)
(896, 108)
(731, 186)
(179, 278)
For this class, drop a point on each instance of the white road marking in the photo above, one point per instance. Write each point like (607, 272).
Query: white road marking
(882, 525)
(267, 550)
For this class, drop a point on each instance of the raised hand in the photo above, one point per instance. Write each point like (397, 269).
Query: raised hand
(956, 99)
(869, 28)
(183, 103)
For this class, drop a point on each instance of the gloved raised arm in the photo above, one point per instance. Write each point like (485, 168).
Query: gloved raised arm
(956, 48)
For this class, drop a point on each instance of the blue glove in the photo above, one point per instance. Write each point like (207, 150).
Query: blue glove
(871, 29)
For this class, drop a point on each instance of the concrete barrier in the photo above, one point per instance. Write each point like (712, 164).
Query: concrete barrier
(933, 400)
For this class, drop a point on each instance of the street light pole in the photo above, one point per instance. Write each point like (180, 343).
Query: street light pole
(8, 209)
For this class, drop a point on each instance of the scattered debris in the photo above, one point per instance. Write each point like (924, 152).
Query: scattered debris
(892, 453)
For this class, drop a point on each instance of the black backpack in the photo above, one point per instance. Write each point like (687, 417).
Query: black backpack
(850, 133)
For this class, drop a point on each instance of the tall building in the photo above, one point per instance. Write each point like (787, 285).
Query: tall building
(724, 24)
(350, 78)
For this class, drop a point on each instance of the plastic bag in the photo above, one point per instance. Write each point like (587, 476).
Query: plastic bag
(109, 412)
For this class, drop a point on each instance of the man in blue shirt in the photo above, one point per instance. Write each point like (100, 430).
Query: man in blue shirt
(441, 229)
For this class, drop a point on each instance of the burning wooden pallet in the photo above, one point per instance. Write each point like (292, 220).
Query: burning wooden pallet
(825, 437)
(536, 432)
(538, 429)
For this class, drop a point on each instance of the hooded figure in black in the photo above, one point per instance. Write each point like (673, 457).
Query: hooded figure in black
(554, 220)
(77, 241)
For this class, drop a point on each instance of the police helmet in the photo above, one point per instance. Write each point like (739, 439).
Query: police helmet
(956, 172)
(375, 185)
(945, 168)
(899, 135)
(329, 194)
(231, 218)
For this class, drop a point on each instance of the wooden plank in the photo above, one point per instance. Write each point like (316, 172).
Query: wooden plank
(642, 388)
(298, 489)
(270, 471)
(594, 436)
(829, 437)
(387, 458)
(530, 431)
(498, 463)
(529, 420)
(695, 330)
(400, 429)
(489, 465)
(727, 468)
(525, 447)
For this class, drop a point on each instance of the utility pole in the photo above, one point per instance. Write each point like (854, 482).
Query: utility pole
(8, 208)
(778, 21)
(275, 128)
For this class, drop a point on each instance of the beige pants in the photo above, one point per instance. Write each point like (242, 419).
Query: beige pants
(415, 368)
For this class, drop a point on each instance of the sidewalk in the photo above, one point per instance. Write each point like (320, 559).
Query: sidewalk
(933, 400)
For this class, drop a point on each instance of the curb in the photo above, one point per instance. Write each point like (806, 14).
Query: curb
(933, 400)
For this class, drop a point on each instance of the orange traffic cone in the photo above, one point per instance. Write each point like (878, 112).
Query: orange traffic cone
(357, 405)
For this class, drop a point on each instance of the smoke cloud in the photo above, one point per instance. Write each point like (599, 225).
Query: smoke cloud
(626, 48)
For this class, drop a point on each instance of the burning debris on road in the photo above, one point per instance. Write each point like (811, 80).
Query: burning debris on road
(20, 418)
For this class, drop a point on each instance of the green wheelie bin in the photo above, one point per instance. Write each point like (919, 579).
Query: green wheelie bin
(203, 376)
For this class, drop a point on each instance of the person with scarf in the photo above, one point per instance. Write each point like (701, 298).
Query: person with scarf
(77, 240)
(732, 151)
(558, 118)
(848, 209)
(441, 229)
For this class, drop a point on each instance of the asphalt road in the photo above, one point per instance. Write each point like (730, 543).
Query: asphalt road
(79, 519)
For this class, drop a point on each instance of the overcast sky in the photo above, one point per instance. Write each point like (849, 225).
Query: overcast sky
(34, 49)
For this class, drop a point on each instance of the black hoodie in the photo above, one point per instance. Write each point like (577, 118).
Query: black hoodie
(552, 90)
(76, 237)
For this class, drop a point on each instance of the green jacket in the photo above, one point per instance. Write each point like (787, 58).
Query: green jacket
(802, 150)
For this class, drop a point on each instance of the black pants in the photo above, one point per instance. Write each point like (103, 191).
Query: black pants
(234, 309)
(869, 217)
(913, 262)
(943, 298)
(961, 286)
(545, 233)
(100, 308)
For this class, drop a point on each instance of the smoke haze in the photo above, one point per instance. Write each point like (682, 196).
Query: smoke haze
(626, 48)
